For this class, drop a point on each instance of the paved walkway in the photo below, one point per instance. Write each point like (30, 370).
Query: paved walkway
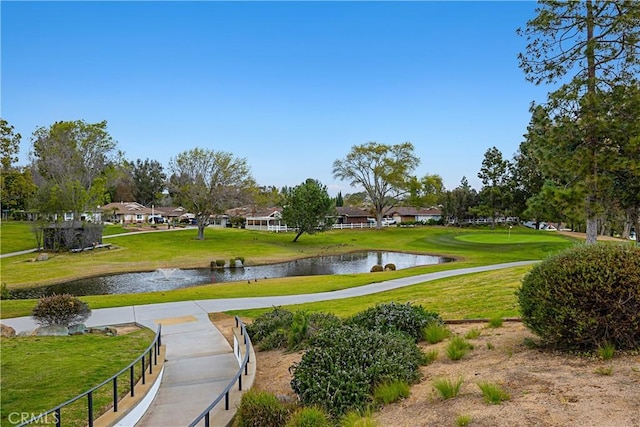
(199, 360)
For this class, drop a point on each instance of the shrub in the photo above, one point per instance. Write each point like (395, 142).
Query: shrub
(344, 363)
(584, 297)
(390, 391)
(5, 293)
(298, 329)
(390, 267)
(309, 417)
(280, 328)
(448, 389)
(406, 318)
(493, 393)
(61, 309)
(376, 268)
(220, 263)
(270, 329)
(260, 409)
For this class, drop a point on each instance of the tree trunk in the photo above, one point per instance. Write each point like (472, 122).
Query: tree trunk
(297, 235)
(200, 231)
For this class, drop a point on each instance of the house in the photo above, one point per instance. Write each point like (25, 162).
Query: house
(266, 219)
(352, 215)
(136, 213)
(411, 214)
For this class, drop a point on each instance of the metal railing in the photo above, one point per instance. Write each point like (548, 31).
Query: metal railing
(205, 415)
(153, 351)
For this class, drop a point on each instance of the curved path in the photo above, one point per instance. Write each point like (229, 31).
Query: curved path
(199, 360)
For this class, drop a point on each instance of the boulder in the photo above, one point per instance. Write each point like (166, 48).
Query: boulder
(42, 257)
(7, 331)
(52, 330)
(78, 329)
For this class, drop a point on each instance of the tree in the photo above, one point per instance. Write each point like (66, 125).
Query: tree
(595, 45)
(16, 184)
(494, 175)
(149, 181)
(424, 192)
(208, 182)
(458, 202)
(339, 200)
(382, 171)
(308, 207)
(70, 160)
(9, 145)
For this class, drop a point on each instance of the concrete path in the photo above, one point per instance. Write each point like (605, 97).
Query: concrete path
(200, 362)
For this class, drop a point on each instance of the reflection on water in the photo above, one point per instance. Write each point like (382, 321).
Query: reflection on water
(173, 278)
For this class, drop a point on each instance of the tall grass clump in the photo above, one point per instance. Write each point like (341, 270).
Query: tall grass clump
(458, 347)
(585, 296)
(435, 332)
(358, 419)
(447, 388)
(391, 391)
(606, 351)
(493, 393)
(260, 409)
(310, 416)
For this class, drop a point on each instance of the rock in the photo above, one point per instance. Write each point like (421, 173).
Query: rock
(52, 330)
(78, 329)
(42, 257)
(7, 331)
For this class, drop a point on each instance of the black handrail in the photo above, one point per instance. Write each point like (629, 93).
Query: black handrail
(237, 378)
(154, 348)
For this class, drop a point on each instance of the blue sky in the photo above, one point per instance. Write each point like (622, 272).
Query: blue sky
(290, 86)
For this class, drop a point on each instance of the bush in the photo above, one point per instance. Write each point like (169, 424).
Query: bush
(309, 417)
(220, 263)
(344, 363)
(376, 268)
(406, 318)
(260, 409)
(584, 297)
(390, 267)
(298, 329)
(269, 328)
(5, 293)
(62, 310)
(283, 329)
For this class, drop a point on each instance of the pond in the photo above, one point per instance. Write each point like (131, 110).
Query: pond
(164, 279)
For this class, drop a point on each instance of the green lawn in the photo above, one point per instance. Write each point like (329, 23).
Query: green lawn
(140, 252)
(39, 373)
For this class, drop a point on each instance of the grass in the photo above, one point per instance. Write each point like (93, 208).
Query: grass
(473, 334)
(606, 351)
(446, 388)
(435, 333)
(390, 392)
(495, 322)
(490, 294)
(430, 357)
(458, 347)
(463, 420)
(39, 373)
(493, 393)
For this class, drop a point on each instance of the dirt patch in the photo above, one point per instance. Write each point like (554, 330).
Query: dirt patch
(126, 328)
(545, 388)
